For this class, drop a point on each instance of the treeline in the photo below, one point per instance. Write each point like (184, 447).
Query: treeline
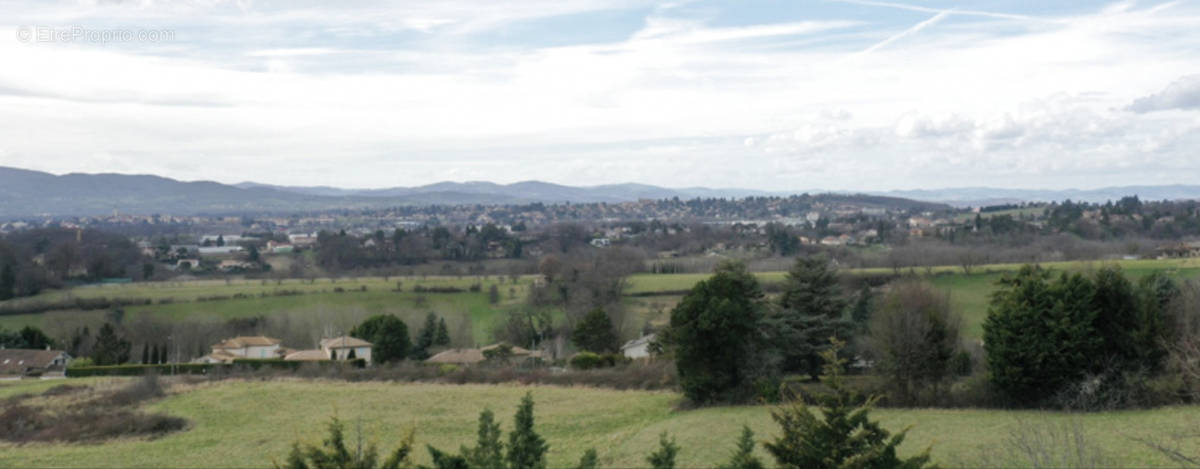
(34, 260)
(1077, 341)
(340, 251)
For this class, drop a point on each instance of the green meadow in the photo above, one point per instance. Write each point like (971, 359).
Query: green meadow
(651, 295)
(229, 426)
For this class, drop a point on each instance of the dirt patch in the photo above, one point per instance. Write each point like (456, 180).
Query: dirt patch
(106, 415)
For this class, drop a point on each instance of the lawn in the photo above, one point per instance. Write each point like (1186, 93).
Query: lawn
(232, 425)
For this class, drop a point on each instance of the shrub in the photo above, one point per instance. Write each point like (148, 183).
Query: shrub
(139, 370)
(526, 449)
(664, 456)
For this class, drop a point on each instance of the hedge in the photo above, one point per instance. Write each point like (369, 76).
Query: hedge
(139, 370)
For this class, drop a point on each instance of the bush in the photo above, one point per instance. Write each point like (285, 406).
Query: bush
(591, 361)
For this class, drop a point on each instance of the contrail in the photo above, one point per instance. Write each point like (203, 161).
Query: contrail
(907, 32)
(904, 6)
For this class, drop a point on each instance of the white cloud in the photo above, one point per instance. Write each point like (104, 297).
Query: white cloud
(1183, 93)
(408, 93)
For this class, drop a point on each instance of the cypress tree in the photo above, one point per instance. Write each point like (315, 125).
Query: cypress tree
(443, 334)
(146, 353)
(526, 449)
(488, 452)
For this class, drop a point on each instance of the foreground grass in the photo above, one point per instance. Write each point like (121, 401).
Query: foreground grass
(250, 423)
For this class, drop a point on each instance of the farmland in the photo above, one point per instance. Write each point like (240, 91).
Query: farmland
(344, 300)
(228, 428)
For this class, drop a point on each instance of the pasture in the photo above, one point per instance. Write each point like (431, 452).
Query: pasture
(342, 302)
(229, 428)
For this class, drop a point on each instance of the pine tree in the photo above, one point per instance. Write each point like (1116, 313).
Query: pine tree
(810, 311)
(664, 457)
(843, 436)
(1040, 335)
(595, 333)
(8, 281)
(154, 355)
(589, 460)
(488, 452)
(744, 457)
(425, 337)
(526, 449)
(443, 334)
(110, 349)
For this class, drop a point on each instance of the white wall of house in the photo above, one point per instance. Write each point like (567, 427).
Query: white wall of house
(637, 351)
(359, 352)
(254, 351)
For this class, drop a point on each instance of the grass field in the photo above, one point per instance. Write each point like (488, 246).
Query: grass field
(233, 426)
(653, 295)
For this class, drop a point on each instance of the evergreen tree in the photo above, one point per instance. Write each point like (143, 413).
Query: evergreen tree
(488, 452)
(589, 460)
(34, 338)
(744, 457)
(595, 333)
(714, 331)
(425, 338)
(1117, 318)
(810, 311)
(387, 334)
(443, 334)
(1040, 334)
(664, 457)
(526, 449)
(860, 312)
(843, 436)
(110, 349)
(146, 353)
(8, 281)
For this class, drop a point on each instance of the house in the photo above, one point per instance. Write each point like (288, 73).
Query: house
(601, 242)
(471, 356)
(243, 347)
(458, 356)
(346, 347)
(307, 356)
(229, 265)
(639, 347)
(187, 264)
(16, 363)
(219, 250)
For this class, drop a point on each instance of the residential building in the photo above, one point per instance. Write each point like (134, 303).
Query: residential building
(17, 363)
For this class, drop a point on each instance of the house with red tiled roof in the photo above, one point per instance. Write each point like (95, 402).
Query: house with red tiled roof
(16, 363)
(243, 347)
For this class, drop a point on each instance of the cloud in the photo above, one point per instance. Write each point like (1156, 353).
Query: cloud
(585, 92)
(1183, 93)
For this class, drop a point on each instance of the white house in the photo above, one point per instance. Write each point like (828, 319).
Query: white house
(639, 347)
(340, 348)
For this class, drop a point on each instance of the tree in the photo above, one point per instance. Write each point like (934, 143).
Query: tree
(595, 333)
(664, 457)
(843, 436)
(34, 338)
(8, 281)
(860, 311)
(1040, 334)
(488, 452)
(493, 294)
(810, 311)
(589, 460)
(442, 339)
(526, 449)
(335, 454)
(146, 354)
(154, 356)
(110, 349)
(425, 338)
(1117, 318)
(221, 240)
(387, 334)
(914, 336)
(714, 331)
(743, 457)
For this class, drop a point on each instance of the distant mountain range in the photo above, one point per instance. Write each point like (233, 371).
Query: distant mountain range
(32, 193)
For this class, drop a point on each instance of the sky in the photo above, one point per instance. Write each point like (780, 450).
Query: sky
(759, 94)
